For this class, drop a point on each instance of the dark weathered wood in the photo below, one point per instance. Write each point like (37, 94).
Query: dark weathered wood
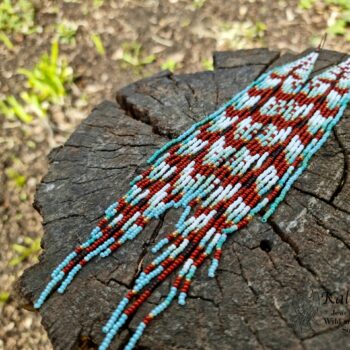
(268, 270)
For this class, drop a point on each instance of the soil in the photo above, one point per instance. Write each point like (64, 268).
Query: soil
(176, 30)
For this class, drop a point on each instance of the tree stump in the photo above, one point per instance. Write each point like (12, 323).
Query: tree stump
(277, 281)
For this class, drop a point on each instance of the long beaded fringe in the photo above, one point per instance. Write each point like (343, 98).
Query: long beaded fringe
(222, 171)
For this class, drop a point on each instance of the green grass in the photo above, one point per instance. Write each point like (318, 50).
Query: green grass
(19, 179)
(30, 249)
(96, 39)
(17, 16)
(98, 3)
(237, 35)
(6, 41)
(4, 297)
(133, 55)
(339, 27)
(11, 108)
(341, 24)
(345, 4)
(46, 86)
(170, 64)
(306, 4)
(197, 4)
(49, 76)
(66, 32)
(208, 64)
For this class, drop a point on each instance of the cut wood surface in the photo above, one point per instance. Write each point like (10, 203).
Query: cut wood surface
(271, 287)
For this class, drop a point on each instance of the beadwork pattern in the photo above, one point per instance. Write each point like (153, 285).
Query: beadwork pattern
(224, 170)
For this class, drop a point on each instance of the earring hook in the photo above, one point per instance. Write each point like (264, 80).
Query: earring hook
(322, 42)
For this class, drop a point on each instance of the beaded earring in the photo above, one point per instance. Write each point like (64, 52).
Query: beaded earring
(222, 171)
